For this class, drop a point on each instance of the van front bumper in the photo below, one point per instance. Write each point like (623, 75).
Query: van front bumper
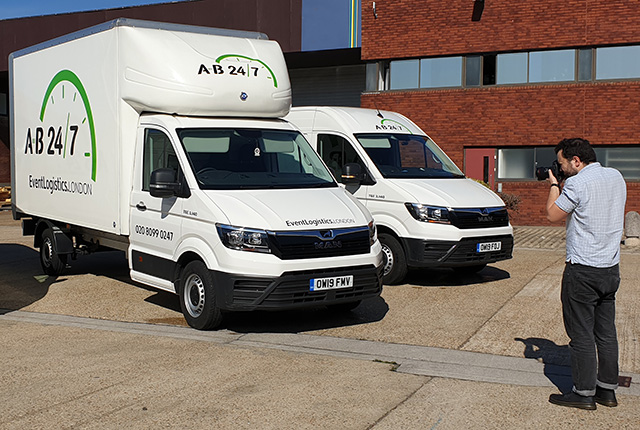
(440, 253)
(236, 292)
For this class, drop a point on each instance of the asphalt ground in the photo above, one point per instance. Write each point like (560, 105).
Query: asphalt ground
(91, 349)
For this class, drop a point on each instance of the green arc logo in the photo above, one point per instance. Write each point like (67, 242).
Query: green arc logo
(396, 122)
(244, 57)
(69, 76)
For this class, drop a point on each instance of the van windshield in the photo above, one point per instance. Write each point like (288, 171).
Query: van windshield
(408, 156)
(253, 158)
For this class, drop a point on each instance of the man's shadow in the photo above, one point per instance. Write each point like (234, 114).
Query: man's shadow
(556, 360)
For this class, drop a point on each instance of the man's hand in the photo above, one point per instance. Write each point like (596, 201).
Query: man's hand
(554, 213)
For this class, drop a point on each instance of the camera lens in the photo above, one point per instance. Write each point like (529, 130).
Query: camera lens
(542, 173)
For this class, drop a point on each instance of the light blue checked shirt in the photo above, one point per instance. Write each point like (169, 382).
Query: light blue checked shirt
(594, 199)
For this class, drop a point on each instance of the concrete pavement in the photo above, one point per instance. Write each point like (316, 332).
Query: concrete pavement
(92, 350)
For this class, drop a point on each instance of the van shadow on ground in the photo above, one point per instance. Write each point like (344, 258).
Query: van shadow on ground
(21, 279)
(556, 359)
(453, 277)
(297, 321)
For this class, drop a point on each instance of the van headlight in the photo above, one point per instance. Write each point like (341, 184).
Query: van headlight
(373, 234)
(243, 239)
(435, 214)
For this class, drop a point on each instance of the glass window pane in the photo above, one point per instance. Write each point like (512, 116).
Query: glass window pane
(472, 70)
(515, 163)
(585, 64)
(441, 72)
(404, 74)
(552, 66)
(626, 160)
(158, 154)
(512, 68)
(545, 156)
(372, 77)
(618, 62)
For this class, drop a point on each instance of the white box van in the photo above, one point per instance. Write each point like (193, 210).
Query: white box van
(427, 213)
(164, 141)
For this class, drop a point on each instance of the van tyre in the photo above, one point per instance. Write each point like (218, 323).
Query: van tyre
(52, 263)
(197, 297)
(395, 262)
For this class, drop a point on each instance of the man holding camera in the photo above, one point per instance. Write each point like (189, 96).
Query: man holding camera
(592, 201)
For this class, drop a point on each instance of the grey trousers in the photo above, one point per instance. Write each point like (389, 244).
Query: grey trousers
(589, 310)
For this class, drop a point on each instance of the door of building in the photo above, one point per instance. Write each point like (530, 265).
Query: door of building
(480, 163)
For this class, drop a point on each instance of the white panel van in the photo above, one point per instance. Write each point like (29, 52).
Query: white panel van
(427, 213)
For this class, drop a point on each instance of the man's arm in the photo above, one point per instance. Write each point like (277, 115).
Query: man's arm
(554, 213)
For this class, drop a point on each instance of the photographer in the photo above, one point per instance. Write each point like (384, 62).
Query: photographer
(592, 200)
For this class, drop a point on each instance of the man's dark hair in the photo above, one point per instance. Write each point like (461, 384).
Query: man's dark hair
(576, 147)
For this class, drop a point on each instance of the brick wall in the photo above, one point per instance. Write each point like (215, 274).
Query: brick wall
(413, 28)
(534, 115)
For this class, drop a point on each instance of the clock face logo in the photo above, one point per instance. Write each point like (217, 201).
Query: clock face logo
(67, 128)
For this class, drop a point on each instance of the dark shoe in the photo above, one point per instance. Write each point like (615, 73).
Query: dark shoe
(573, 400)
(606, 397)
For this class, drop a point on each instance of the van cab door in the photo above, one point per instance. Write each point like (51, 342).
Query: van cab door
(156, 222)
(336, 151)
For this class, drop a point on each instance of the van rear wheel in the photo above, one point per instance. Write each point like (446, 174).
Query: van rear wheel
(52, 263)
(197, 297)
(395, 262)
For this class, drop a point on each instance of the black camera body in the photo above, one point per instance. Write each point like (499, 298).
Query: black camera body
(542, 173)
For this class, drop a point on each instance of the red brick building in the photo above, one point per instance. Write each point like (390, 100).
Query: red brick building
(575, 72)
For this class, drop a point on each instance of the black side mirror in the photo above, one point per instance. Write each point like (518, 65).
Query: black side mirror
(352, 173)
(164, 183)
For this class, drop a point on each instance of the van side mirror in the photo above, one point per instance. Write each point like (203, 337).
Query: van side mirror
(352, 173)
(164, 183)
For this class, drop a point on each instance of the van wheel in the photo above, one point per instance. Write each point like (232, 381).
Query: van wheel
(52, 263)
(197, 297)
(395, 263)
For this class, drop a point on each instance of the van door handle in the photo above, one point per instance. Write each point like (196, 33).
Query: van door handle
(141, 206)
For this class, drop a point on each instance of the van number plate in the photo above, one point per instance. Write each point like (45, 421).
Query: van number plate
(319, 284)
(489, 246)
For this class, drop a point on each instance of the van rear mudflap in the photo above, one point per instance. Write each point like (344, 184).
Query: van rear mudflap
(469, 251)
(292, 290)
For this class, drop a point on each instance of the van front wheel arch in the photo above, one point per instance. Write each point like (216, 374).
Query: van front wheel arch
(197, 297)
(395, 262)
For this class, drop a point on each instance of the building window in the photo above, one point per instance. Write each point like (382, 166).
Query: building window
(512, 68)
(552, 66)
(620, 62)
(521, 163)
(441, 72)
(560, 65)
(625, 159)
(404, 74)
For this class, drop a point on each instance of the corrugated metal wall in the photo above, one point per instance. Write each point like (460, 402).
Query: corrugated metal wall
(328, 86)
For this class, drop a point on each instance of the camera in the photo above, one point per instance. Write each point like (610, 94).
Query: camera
(542, 173)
